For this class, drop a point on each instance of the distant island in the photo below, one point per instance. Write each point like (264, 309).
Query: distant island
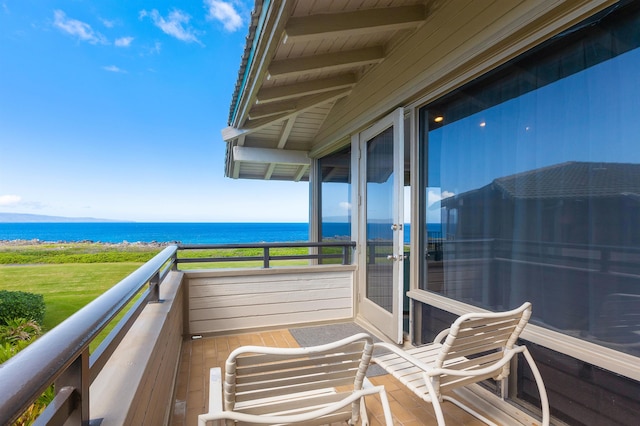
(31, 218)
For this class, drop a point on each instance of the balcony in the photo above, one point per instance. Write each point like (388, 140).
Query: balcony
(179, 322)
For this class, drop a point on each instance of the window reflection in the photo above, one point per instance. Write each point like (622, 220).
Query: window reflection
(335, 200)
(533, 186)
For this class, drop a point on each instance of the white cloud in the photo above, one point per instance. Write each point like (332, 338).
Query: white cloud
(224, 12)
(113, 68)
(156, 48)
(434, 198)
(345, 205)
(123, 41)
(8, 200)
(79, 29)
(176, 24)
(108, 23)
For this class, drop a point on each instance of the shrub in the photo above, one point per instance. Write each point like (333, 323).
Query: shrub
(19, 330)
(19, 304)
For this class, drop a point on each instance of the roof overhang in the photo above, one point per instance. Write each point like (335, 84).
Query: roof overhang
(315, 72)
(301, 58)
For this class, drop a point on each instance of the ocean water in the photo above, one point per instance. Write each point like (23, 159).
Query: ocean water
(185, 233)
(132, 232)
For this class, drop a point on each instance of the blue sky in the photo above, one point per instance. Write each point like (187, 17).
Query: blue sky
(113, 109)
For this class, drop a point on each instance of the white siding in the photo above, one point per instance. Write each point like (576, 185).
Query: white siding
(248, 299)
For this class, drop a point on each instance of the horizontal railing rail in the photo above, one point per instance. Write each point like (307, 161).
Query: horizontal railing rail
(267, 255)
(61, 356)
(599, 258)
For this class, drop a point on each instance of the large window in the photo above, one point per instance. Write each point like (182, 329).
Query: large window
(533, 185)
(335, 198)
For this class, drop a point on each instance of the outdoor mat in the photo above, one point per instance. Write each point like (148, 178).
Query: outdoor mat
(319, 335)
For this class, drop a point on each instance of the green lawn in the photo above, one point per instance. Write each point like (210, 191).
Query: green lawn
(65, 287)
(71, 275)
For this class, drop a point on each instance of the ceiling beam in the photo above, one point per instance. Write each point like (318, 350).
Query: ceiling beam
(271, 109)
(321, 26)
(286, 131)
(310, 102)
(270, 155)
(288, 107)
(326, 62)
(230, 133)
(269, 172)
(311, 87)
(300, 173)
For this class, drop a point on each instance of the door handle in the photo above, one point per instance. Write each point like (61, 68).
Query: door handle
(394, 257)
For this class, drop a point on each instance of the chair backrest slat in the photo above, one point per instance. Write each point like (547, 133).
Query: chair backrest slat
(347, 368)
(292, 404)
(472, 328)
(476, 335)
(321, 375)
(248, 358)
(255, 373)
(293, 363)
(472, 352)
(251, 394)
(453, 382)
(474, 363)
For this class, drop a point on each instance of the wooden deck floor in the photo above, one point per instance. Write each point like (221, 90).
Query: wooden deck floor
(198, 356)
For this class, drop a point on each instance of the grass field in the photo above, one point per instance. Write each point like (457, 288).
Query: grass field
(68, 275)
(65, 287)
(71, 275)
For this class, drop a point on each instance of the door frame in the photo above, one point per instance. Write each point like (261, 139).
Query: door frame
(389, 323)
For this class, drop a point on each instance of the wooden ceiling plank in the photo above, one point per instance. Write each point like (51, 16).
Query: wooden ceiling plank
(305, 88)
(252, 126)
(271, 109)
(312, 27)
(277, 108)
(326, 62)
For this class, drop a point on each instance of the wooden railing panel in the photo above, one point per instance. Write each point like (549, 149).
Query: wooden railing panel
(254, 299)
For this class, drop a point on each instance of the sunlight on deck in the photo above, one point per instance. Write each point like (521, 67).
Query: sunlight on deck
(198, 356)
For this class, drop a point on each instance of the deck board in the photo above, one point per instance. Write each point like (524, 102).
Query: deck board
(198, 356)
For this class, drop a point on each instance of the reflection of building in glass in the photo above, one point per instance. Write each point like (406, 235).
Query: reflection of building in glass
(564, 236)
(573, 202)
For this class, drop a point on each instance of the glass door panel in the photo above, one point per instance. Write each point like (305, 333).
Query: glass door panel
(382, 182)
(380, 219)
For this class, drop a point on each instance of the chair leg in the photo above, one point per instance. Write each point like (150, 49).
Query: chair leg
(435, 401)
(364, 417)
(544, 399)
(386, 407)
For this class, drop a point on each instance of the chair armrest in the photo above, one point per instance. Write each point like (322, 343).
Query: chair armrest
(441, 336)
(215, 394)
(215, 389)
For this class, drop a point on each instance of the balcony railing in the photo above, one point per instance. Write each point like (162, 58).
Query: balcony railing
(61, 357)
(267, 256)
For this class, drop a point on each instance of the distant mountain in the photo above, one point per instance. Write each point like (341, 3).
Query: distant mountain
(24, 217)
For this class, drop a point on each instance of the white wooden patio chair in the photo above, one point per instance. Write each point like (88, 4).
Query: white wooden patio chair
(310, 386)
(476, 347)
